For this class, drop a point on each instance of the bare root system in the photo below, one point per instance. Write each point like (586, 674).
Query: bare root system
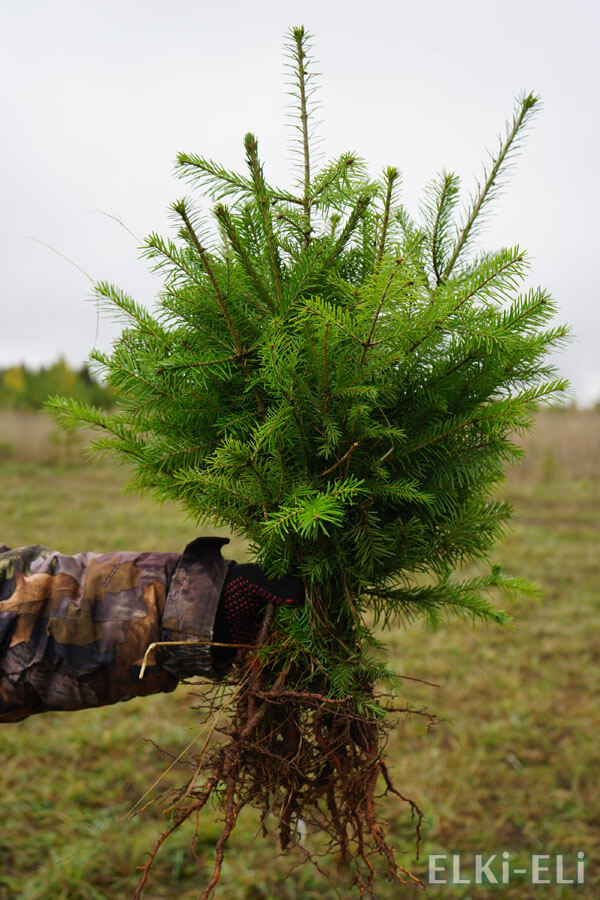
(305, 761)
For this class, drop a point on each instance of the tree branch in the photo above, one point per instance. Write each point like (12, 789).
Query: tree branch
(527, 104)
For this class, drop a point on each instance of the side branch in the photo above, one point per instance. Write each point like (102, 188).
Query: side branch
(437, 227)
(391, 176)
(367, 344)
(181, 210)
(222, 214)
(353, 220)
(337, 464)
(527, 105)
(436, 325)
(240, 351)
(263, 203)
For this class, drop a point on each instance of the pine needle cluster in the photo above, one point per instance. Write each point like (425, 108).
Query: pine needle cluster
(338, 382)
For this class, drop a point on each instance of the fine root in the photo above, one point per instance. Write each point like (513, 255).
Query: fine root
(305, 761)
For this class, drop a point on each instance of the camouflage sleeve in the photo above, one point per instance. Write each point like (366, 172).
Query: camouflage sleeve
(74, 629)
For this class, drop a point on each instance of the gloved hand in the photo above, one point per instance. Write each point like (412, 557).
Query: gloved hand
(245, 594)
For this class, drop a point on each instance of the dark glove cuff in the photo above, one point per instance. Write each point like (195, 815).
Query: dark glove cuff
(222, 656)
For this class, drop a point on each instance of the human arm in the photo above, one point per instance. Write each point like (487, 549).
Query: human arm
(74, 629)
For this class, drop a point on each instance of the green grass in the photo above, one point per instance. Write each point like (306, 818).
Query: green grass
(513, 765)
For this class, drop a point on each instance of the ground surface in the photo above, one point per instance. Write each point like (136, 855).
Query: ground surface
(514, 765)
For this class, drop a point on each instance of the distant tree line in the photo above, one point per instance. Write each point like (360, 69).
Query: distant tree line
(25, 388)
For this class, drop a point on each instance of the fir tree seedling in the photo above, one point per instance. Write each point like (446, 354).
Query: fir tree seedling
(344, 386)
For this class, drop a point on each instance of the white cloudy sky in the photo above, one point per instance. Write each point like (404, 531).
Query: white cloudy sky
(97, 97)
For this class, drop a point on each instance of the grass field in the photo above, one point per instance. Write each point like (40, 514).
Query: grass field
(512, 766)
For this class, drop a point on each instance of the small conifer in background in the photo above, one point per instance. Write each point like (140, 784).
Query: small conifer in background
(344, 386)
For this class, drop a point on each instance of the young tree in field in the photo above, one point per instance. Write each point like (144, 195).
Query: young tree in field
(343, 385)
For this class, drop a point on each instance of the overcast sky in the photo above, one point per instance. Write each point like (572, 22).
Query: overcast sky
(98, 96)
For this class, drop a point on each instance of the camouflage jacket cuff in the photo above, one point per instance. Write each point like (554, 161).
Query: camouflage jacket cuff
(191, 607)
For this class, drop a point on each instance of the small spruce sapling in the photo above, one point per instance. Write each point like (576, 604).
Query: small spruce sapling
(343, 386)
